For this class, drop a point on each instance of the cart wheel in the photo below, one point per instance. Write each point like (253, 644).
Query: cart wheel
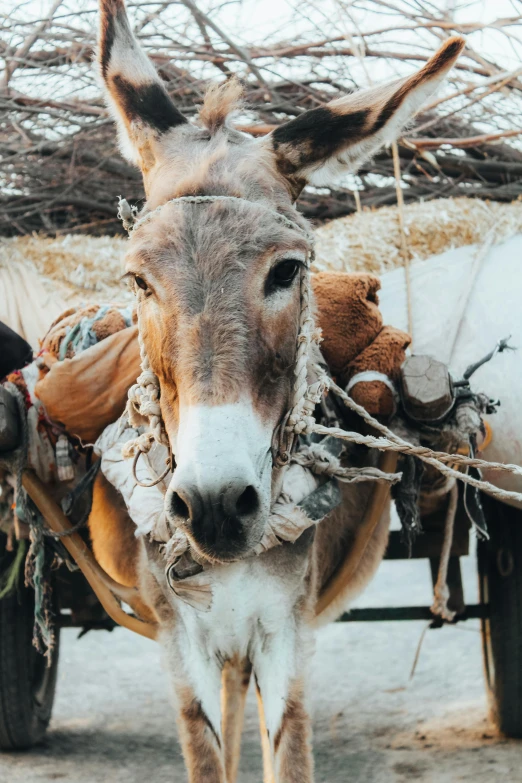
(27, 684)
(500, 579)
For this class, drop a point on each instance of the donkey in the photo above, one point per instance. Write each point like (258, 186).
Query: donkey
(218, 297)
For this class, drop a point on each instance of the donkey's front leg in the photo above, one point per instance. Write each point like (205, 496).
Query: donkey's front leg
(289, 736)
(287, 722)
(199, 721)
(236, 678)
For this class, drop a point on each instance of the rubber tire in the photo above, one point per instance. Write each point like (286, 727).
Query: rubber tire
(27, 684)
(500, 580)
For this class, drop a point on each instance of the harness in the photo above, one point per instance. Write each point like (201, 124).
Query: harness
(311, 384)
(286, 521)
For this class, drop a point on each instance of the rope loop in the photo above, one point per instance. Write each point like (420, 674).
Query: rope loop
(139, 445)
(157, 480)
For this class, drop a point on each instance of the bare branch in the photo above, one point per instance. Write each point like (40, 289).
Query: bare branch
(60, 169)
(11, 63)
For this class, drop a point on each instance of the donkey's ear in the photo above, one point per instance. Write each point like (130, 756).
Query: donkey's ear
(135, 93)
(336, 138)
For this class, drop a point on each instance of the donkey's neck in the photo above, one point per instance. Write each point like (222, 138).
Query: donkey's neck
(251, 600)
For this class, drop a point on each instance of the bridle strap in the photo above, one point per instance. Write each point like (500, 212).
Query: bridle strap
(131, 221)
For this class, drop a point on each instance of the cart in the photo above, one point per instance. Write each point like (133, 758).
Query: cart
(89, 600)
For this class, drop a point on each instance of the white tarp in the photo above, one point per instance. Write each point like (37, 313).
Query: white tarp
(440, 287)
(26, 304)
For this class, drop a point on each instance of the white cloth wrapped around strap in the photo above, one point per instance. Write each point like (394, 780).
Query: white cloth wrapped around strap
(367, 376)
(146, 505)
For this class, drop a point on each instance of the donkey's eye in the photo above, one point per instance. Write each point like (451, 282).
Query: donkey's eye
(283, 275)
(140, 282)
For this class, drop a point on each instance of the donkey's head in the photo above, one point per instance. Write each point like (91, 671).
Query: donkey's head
(218, 281)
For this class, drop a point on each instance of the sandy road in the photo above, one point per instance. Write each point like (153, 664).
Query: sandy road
(113, 722)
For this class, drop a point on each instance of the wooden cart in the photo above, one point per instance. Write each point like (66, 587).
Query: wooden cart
(88, 599)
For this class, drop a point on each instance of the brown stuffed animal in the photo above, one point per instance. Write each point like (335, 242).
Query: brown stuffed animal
(354, 339)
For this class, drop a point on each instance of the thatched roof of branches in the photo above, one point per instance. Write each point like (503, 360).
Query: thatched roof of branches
(60, 170)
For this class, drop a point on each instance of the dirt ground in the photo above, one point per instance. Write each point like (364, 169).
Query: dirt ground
(113, 722)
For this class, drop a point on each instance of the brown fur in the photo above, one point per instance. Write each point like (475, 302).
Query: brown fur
(346, 311)
(236, 678)
(385, 354)
(207, 304)
(200, 743)
(349, 128)
(268, 766)
(220, 101)
(346, 305)
(293, 747)
(114, 544)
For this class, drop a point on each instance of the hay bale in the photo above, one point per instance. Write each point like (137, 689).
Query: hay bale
(369, 241)
(79, 267)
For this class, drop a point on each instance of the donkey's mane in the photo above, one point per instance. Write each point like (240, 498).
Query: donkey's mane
(219, 102)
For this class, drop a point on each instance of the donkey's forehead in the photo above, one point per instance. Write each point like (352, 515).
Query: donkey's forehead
(212, 235)
(191, 160)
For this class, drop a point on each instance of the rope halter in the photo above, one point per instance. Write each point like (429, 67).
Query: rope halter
(143, 406)
(287, 522)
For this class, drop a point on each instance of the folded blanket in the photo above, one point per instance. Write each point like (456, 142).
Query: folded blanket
(81, 327)
(87, 390)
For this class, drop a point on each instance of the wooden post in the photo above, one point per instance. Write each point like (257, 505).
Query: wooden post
(426, 389)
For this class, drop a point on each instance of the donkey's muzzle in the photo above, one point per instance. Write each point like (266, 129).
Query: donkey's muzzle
(217, 519)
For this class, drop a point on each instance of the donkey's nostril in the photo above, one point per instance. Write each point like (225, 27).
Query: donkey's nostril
(179, 507)
(247, 502)
(216, 516)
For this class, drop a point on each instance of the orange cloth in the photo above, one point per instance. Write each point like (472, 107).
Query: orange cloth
(89, 391)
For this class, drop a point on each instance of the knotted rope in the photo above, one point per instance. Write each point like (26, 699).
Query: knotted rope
(306, 396)
(438, 459)
(143, 407)
(321, 463)
(441, 591)
(300, 420)
(143, 404)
